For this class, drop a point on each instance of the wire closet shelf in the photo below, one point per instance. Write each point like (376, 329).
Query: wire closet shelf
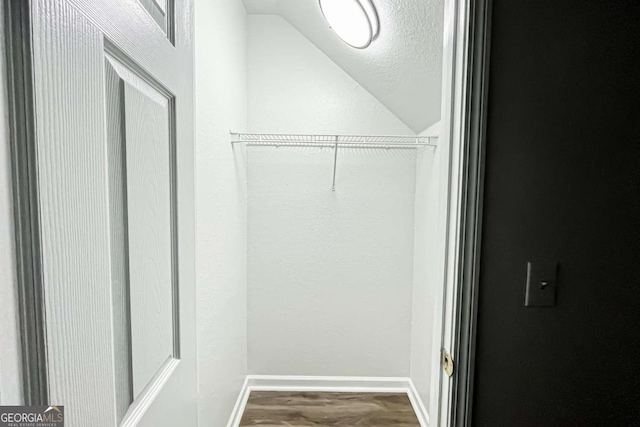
(336, 141)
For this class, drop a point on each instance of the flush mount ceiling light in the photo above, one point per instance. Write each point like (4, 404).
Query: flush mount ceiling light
(354, 21)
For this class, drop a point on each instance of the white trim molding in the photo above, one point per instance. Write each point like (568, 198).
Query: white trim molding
(241, 403)
(328, 384)
(418, 405)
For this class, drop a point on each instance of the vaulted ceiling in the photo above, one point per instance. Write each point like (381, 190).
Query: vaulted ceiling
(402, 68)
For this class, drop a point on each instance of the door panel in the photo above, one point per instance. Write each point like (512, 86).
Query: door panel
(114, 137)
(161, 14)
(149, 224)
(140, 145)
(120, 298)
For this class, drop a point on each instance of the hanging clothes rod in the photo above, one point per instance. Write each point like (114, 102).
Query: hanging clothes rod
(333, 141)
(353, 141)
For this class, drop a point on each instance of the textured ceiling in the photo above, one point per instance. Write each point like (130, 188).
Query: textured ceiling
(402, 68)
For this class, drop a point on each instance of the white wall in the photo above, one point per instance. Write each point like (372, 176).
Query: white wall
(426, 263)
(330, 273)
(402, 67)
(295, 88)
(10, 361)
(221, 237)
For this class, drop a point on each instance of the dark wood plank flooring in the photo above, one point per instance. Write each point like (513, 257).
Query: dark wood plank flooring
(302, 409)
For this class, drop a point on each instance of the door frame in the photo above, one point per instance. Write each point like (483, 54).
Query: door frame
(25, 202)
(472, 208)
(465, 94)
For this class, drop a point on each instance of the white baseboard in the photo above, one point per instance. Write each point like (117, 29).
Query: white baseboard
(241, 403)
(328, 384)
(418, 404)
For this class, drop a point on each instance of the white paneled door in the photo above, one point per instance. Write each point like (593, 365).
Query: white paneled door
(113, 104)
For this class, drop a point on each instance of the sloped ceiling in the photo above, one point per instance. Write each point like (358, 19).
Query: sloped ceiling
(402, 68)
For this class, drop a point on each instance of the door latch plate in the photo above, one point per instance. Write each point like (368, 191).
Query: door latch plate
(447, 363)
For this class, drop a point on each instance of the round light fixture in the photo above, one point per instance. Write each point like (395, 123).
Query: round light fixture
(354, 21)
(372, 14)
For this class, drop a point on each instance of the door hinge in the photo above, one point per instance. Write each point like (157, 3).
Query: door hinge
(447, 362)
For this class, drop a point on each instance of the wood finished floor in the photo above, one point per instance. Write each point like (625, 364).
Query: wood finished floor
(302, 409)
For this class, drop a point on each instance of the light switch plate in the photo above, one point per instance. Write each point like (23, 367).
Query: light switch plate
(541, 284)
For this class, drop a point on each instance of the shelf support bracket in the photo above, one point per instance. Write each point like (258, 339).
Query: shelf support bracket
(335, 163)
